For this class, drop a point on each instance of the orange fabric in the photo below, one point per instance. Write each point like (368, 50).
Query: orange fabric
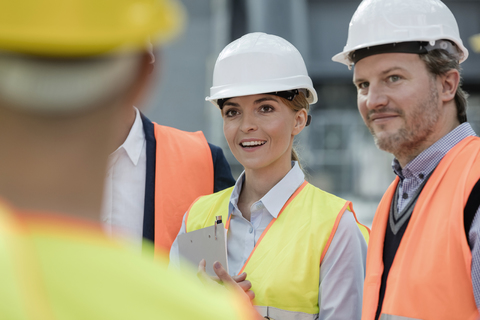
(430, 277)
(59, 223)
(183, 172)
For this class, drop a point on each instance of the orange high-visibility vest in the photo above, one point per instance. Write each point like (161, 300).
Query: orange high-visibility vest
(430, 277)
(184, 171)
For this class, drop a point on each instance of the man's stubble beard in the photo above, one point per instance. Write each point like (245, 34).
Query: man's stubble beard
(418, 126)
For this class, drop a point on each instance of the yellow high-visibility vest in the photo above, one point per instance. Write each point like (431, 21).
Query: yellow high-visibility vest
(56, 268)
(284, 266)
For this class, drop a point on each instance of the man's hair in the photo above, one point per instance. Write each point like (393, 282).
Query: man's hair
(438, 63)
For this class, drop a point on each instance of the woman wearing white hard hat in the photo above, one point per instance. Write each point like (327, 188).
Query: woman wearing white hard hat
(302, 249)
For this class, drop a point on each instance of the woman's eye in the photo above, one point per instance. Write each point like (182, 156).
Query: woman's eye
(266, 108)
(231, 113)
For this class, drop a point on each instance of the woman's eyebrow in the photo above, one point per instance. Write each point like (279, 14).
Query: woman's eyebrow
(265, 99)
(230, 103)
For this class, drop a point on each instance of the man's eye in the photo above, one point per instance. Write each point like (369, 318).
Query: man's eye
(363, 85)
(394, 78)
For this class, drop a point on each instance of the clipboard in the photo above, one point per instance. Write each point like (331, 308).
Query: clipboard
(208, 243)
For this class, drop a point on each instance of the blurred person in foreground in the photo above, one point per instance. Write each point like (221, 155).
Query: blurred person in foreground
(301, 248)
(68, 70)
(423, 259)
(154, 175)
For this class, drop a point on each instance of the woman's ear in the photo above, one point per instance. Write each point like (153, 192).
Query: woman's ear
(301, 117)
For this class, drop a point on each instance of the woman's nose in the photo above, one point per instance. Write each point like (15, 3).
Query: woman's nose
(249, 123)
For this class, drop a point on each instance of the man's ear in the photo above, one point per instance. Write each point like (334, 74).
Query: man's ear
(144, 77)
(151, 52)
(300, 121)
(449, 84)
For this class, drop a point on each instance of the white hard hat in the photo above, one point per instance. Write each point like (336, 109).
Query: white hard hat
(259, 63)
(381, 22)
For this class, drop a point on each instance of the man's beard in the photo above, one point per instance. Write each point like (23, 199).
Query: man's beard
(418, 126)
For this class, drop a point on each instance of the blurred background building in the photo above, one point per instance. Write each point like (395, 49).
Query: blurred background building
(337, 150)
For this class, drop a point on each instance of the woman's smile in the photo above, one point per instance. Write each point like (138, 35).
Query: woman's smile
(259, 130)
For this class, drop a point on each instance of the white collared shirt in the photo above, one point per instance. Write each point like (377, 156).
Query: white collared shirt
(342, 270)
(124, 193)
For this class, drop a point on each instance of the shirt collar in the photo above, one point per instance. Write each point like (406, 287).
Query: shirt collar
(276, 198)
(426, 161)
(133, 145)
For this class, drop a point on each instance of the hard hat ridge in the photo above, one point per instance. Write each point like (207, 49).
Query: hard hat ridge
(259, 63)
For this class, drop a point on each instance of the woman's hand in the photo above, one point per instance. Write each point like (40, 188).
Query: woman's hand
(236, 283)
(242, 281)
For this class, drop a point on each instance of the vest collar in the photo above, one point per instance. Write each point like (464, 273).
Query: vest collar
(276, 198)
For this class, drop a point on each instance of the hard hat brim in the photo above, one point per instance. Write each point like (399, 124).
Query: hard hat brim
(239, 90)
(343, 57)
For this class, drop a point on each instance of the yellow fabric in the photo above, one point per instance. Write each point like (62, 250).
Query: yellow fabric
(77, 273)
(284, 268)
(85, 27)
(11, 293)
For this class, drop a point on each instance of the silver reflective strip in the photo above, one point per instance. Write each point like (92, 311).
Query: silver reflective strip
(279, 314)
(392, 317)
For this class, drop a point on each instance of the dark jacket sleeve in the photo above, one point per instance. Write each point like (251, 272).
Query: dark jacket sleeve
(221, 170)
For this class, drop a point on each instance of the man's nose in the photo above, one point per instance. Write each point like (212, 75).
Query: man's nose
(376, 97)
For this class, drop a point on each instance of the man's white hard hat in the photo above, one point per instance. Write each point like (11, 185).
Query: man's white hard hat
(259, 63)
(380, 22)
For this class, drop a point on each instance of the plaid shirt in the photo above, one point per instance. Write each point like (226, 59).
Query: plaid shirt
(416, 170)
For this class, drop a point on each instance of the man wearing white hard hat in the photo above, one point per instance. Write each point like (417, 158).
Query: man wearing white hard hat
(68, 72)
(301, 248)
(423, 259)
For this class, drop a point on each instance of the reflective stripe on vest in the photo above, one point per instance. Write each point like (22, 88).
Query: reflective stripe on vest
(183, 172)
(392, 317)
(430, 277)
(300, 236)
(279, 314)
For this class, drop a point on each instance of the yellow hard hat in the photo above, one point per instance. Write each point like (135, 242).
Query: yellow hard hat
(75, 28)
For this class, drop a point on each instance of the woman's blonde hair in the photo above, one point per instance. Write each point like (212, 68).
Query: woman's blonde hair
(298, 103)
